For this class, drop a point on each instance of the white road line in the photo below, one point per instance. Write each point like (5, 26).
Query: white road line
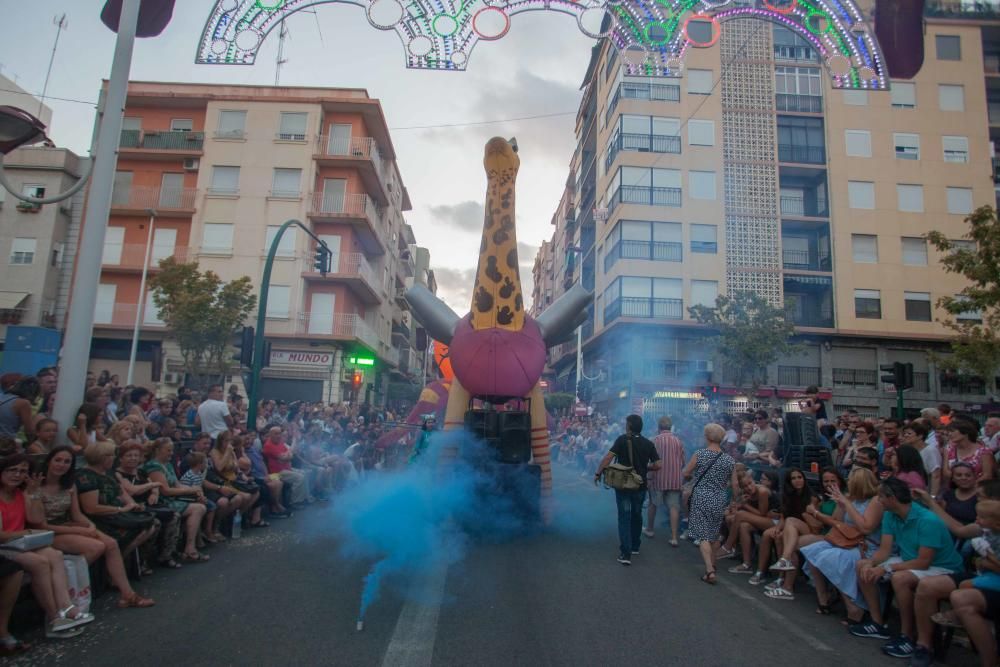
(412, 643)
(768, 610)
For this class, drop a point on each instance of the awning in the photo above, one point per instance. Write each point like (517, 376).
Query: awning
(10, 300)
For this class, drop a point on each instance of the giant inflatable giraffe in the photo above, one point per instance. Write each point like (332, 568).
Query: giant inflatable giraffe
(498, 350)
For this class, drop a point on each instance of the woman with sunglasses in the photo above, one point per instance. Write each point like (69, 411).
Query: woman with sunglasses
(864, 436)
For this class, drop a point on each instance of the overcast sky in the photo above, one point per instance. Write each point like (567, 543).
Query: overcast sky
(536, 69)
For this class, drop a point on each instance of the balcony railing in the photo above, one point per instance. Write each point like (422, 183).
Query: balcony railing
(630, 306)
(633, 90)
(801, 154)
(669, 369)
(123, 315)
(334, 205)
(164, 140)
(643, 143)
(854, 377)
(800, 207)
(154, 198)
(12, 315)
(131, 255)
(795, 259)
(356, 147)
(798, 376)
(961, 384)
(962, 10)
(648, 196)
(338, 325)
(352, 264)
(993, 111)
(798, 103)
(659, 251)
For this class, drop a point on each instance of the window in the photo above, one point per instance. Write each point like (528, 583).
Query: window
(801, 139)
(225, 181)
(904, 94)
(918, 306)
(861, 194)
(699, 81)
(131, 124)
(121, 192)
(164, 243)
(963, 244)
(859, 143)
(968, 315)
(956, 149)
(864, 248)
(104, 307)
(702, 184)
(217, 238)
(114, 241)
(172, 191)
(22, 251)
(287, 246)
(951, 97)
(610, 64)
(701, 132)
(797, 81)
(789, 46)
(914, 251)
(285, 182)
(33, 190)
(151, 314)
(704, 239)
(960, 200)
(278, 301)
(856, 98)
(232, 124)
(949, 47)
(181, 125)
(868, 304)
(910, 198)
(907, 146)
(704, 292)
(292, 126)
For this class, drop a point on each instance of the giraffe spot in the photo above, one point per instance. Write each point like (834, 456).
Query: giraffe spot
(484, 300)
(504, 316)
(505, 198)
(500, 236)
(506, 289)
(512, 258)
(518, 303)
(488, 223)
(491, 269)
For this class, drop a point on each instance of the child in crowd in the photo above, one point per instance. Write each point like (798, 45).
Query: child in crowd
(196, 463)
(987, 546)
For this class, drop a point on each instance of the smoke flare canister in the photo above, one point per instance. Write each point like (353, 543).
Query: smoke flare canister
(360, 626)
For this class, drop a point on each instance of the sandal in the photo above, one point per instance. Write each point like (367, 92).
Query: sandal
(81, 617)
(947, 619)
(824, 609)
(709, 577)
(10, 645)
(169, 562)
(779, 594)
(145, 570)
(135, 600)
(196, 557)
(260, 524)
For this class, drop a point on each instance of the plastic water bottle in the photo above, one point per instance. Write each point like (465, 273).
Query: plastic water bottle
(237, 525)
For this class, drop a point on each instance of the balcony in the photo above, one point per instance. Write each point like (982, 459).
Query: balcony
(359, 211)
(360, 153)
(809, 300)
(657, 251)
(644, 307)
(167, 202)
(401, 301)
(805, 246)
(157, 144)
(801, 154)
(642, 143)
(659, 370)
(993, 111)
(12, 315)
(122, 315)
(129, 257)
(855, 377)
(336, 326)
(957, 384)
(962, 10)
(401, 332)
(798, 376)
(634, 90)
(798, 103)
(646, 196)
(351, 268)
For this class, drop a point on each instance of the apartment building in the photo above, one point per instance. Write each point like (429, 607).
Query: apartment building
(752, 172)
(209, 173)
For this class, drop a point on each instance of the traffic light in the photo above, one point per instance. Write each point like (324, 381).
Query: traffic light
(322, 258)
(359, 377)
(711, 392)
(244, 347)
(898, 374)
(266, 361)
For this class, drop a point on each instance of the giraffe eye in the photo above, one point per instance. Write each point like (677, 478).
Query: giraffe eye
(513, 143)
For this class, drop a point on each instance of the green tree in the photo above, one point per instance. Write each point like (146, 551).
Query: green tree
(976, 346)
(202, 312)
(559, 401)
(748, 335)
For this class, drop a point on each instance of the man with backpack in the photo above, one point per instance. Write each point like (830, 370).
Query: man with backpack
(633, 451)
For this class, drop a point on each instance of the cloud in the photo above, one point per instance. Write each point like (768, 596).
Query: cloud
(526, 253)
(455, 287)
(466, 216)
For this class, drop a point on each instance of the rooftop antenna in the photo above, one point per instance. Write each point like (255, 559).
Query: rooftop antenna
(282, 35)
(61, 24)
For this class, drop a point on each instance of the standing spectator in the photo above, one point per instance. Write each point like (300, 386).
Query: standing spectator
(991, 432)
(47, 381)
(888, 442)
(765, 438)
(712, 470)
(665, 484)
(857, 437)
(643, 458)
(140, 401)
(279, 466)
(115, 408)
(46, 431)
(213, 413)
(946, 413)
(16, 413)
(964, 446)
(933, 419)
(88, 429)
(915, 435)
(926, 549)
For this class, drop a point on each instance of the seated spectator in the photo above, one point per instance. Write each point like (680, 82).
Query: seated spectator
(11, 577)
(271, 487)
(17, 418)
(196, 464)
(861, 436)
(799, 524)
(19, 503)
(964, 446)
(121, 431)
(279, 465)
(74, 532)
(140, 403)
(138, 426)
(926, 549)
(907, 465)
(164, 410)
(915, 435)
(224, 472)
(138, 485)
(795, 497)
(756, 513)
(866, 457)
(88, 429)
(959, 500)
(189, 503)
(46, 431)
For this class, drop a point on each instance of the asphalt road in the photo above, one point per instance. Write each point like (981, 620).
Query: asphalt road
(284, 595)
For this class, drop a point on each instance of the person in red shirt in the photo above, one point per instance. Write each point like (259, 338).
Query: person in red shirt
(665, 484)
(278, 457)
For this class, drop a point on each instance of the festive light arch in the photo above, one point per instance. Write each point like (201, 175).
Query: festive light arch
(652, 36)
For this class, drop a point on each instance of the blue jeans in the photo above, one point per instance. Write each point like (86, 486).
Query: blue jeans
(629, 520)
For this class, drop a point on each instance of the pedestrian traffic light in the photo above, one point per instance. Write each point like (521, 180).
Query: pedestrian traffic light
(359, 377)
(322, 258)
(898, 374)
(244, 347)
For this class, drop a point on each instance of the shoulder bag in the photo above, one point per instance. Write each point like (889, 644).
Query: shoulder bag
(846, 537)
(687, 502)
(621, 477)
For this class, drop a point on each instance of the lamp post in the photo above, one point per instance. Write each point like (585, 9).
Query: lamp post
(141, 305)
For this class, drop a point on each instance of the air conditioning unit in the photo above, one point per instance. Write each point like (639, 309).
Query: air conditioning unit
(191, 164)
(704, 366)
(173, 378)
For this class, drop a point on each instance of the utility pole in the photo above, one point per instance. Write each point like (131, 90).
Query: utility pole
(280, 60)
(61, 24)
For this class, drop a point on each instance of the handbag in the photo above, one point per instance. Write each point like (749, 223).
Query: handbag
(621, 477)
(694, 486)
(78, 580)
(846, 537)
(36, 539)
(129, 520)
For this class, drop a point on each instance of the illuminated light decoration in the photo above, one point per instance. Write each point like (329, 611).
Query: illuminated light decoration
(652, 36)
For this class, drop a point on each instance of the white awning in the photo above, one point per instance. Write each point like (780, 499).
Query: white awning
(10, 300)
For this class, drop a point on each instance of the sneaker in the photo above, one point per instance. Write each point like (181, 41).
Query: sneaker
(869, 629)
(647, 532)
(779, 594)
(756, 579)
(783, 565)
(921, 657)
(900, 648)
(624, 560)
(742, 568)
(674, 543)
(696, 542)
(684, 535)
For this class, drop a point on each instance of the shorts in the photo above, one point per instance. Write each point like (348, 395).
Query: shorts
(922, 574)
(992, 597)
(670, 499)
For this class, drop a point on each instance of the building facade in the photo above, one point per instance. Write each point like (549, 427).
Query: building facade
(209, 173)
(752, 172)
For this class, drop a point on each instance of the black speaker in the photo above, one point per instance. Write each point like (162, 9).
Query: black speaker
(515, 437)
(482, 423)
(800, 431)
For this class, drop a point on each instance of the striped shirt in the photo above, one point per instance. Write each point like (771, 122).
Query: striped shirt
(669, 477)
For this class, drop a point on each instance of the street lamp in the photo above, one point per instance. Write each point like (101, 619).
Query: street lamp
(17, 128)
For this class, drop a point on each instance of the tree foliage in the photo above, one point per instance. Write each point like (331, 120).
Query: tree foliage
(749, 335)
(976, 346)
(202, 312)
(559, 401)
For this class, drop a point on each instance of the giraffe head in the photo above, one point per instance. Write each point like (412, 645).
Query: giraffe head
(501, 157)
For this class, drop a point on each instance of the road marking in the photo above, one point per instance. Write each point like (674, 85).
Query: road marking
(767, 610)
(412, 643)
